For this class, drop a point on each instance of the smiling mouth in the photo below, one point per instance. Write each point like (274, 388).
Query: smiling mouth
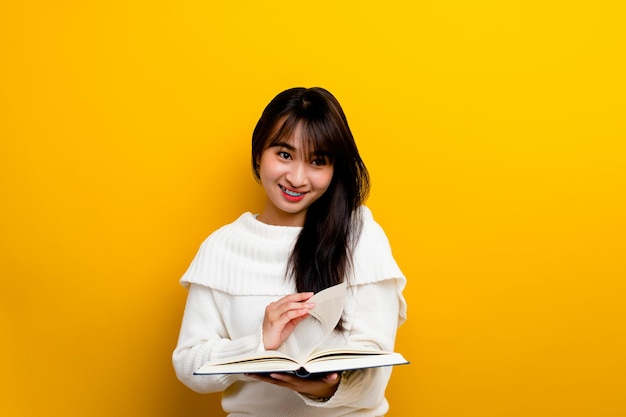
(290, 193)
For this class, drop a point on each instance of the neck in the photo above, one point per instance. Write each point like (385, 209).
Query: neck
(281, 219)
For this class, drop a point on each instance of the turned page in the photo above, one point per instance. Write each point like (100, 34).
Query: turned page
(308, 335)
(329, 305)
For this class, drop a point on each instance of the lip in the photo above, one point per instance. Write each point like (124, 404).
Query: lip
(291, 195)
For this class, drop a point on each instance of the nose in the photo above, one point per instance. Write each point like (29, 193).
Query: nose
(296, 175)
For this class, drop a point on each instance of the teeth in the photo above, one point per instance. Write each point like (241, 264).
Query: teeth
(291, 193)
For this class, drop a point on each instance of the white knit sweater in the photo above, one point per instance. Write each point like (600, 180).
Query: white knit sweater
(240, 269)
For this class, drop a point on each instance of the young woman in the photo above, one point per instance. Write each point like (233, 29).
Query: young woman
(250, 282)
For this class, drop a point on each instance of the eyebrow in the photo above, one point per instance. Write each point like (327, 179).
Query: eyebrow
(282, 144)
(291, 148)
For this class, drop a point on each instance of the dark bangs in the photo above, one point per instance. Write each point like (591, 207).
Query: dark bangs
(318, 135)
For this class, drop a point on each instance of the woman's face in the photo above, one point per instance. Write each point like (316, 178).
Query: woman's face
(292, 181)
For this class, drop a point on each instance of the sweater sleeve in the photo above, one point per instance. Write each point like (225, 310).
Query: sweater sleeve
(202, 338)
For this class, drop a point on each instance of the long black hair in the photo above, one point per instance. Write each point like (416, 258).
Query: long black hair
(322, 254)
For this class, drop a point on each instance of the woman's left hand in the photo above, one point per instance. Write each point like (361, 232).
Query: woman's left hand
(323, 387)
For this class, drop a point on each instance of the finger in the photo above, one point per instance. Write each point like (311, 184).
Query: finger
(284, 377)
(286, 312)
(331, 377)
(276, 378)
(288, 300)
(297, 320)
(296, 314)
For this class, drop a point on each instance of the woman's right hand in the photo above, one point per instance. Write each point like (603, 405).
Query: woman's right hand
(282, 317)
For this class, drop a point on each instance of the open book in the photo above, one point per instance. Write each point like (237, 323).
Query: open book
(320, 361)
(329, 305)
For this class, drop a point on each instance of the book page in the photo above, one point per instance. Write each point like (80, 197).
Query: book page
(258, 362)
(342, 362)
(329, 305)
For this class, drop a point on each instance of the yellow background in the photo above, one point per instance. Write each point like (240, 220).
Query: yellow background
(495, 136)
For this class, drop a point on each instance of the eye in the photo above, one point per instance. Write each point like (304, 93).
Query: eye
(284, 155)
(320, 161)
